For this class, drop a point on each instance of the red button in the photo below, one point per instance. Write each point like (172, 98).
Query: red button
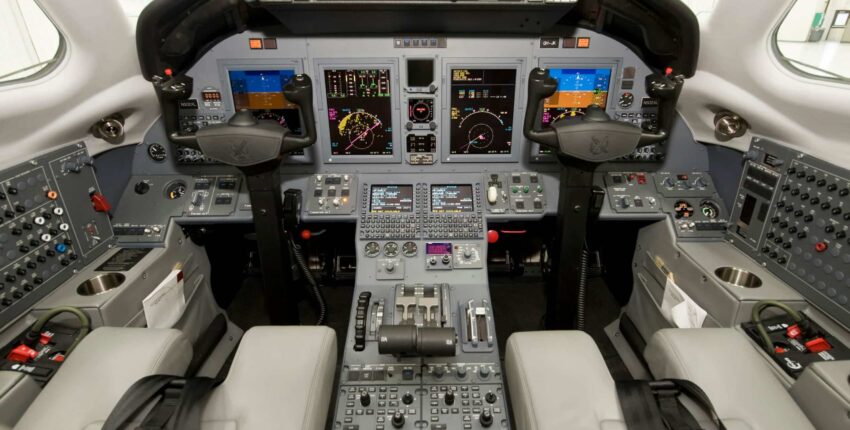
(100, 203)
(641, 179)
(818, 344)
(22, 354)
(306, 234)
(793, 332)
(45, 338)
(492, 236)
(821, 246)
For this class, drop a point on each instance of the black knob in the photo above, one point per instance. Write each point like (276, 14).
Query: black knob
(365, 399)
(20, 208)
(6, 302)
(17, 232)
(31, 265)
(68, 242)
(11, 278)
(53, 232)
(41, 259)
(27, 226)
(64, 262)
(486, 418)
(142, 187)
(490, 397)
(450, 398)
(17, 294)
(24, 248)
(398, 420)
(34, 242)
(407, 398)
(38, 280)
(13, 190)
(21, 271)
(28, 287)
(46, 215)
(73, 257)
(10, 214)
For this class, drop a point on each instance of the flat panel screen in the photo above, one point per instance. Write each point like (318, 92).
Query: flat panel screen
(391, 198)
(359, 105)
(261, 92)
(420, 72)
(578, 88)
(482, 110)
(451, 198)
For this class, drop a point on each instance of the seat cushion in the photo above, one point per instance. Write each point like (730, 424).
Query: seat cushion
(558, 380)
(98, 372)
(281, 378)
(742, 387)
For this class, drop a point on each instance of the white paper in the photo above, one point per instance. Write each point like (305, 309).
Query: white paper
(679, 309)
(166, 303)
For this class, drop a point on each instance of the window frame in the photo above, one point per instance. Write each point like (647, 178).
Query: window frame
(788, 63)
(48, 65)
(835, 18)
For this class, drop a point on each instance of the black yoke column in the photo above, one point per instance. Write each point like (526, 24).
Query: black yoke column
(267, 208)
(574, 200)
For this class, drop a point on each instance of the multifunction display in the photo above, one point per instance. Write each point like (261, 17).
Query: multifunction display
(391, 198)
(359, 111)
(261, 92)
(451, 198)
(578, 88)
(482, 110)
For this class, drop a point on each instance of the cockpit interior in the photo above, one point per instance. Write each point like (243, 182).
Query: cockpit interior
(424, 215)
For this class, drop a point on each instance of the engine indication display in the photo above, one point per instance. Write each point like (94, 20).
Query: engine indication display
(578, 88)
(261, 92)
(451, 198)
(391, 198)
(359, 111)
(482, 108)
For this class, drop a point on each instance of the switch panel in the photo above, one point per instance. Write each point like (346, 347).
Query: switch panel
(632, 192)
(518, 192)
(214, 196)
(332, 194)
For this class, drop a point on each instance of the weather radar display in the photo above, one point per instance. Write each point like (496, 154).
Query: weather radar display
(359, 108)
(482, 110)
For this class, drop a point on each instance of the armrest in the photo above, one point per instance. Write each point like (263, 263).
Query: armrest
(823, 392)
(17, 391)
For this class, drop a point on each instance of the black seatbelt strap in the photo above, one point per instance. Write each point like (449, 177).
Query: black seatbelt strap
(694, 392)
(640, 410)
(135, 398)
(179, 407)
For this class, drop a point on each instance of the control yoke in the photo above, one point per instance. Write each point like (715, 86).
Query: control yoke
(256, 148)
(596, 138)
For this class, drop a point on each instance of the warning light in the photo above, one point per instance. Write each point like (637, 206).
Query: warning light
(569, 42)
(668, 71)
(169, 72)
(583, 42)
(306, 234)
(255, 43)
(52, 195)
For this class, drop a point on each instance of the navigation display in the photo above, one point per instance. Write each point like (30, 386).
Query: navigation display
(359, 111)
(578, 88)
(451, 198)
(482, 110)
(391, 198)
(261, 92)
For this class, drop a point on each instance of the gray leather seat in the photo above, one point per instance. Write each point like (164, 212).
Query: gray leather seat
(281, 378)
(102, 367)
(739, 381)
(558, 380)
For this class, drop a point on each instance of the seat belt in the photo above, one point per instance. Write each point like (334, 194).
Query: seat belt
(655, 405)
(179, 407)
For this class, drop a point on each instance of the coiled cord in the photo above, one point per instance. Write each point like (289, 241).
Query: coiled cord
(582, 289)
(85, 325)
(315, 289)
(756, 317)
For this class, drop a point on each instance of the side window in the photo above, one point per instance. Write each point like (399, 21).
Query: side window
(29, 41)
(814, 38)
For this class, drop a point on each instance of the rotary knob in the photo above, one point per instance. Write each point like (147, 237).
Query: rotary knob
(490, 397)
(365, 399)
(449, 398)
(398, 420)
(439, 371)
(484, 372)
(486, 418)
(407, 398)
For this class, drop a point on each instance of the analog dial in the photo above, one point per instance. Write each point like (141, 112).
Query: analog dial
(626, 100)
(390, 249)
(175, 190)
(157, 152)
(683, 209)
(372, 249)
(409, 249)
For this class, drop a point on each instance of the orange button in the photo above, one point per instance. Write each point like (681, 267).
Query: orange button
(255, 43)
(52, 195)
(583, 42)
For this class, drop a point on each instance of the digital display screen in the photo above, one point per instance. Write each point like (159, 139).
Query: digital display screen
(359, 111)
(482, 111)
(261, 92)
(420, 72)
(438, 248)
(578, 88)
(391, 198)
(451, 198)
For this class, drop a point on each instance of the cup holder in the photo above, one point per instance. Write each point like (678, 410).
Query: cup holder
(100, 284)
(738, 277)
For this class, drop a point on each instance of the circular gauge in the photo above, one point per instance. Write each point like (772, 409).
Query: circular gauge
(570, 113)
(421, 110)
(157, 152)
(482, 132)
(372, 249)
(626, 100)
(390, 249)
(359, 129)
(683, 209)
(175, 190)
(709, 209)
(270, 115)
(408, 249)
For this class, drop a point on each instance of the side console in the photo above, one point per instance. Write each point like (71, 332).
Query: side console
(53, 221)
(792, 215)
